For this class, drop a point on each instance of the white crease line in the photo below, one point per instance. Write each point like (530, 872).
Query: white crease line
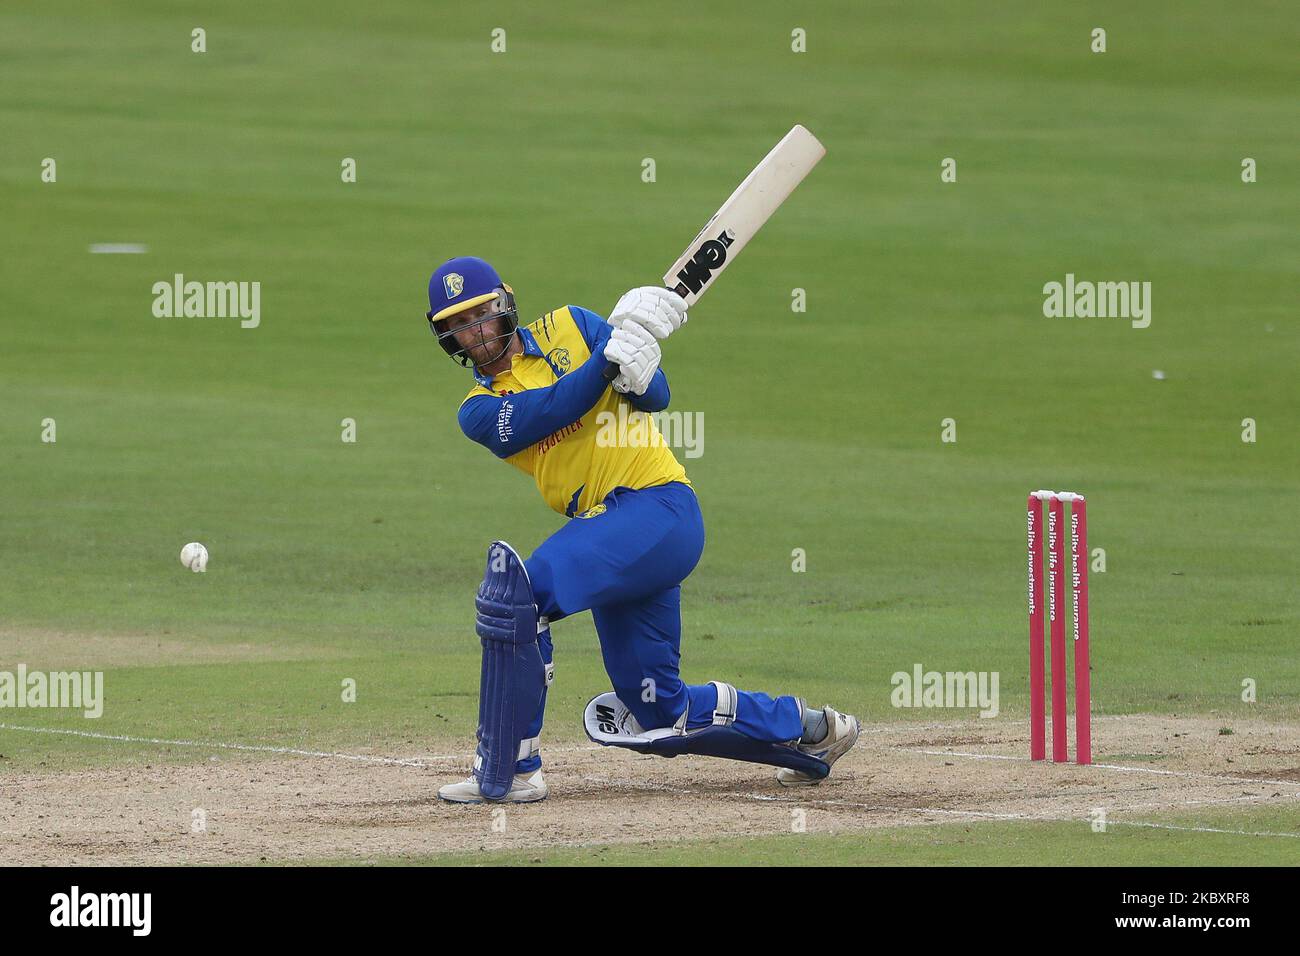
(1219, 801)
(945, 725)
(216, 745)
(256, 748)
(1170, 826)
(801, 801)
(971, 723)
(1193, 773)
(251, 748)
(1114, 766)
(1004, 719)
(1130, 823)
(978, 814)
(955, 753)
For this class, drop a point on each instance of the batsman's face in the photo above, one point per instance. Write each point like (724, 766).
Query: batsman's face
(478, 331)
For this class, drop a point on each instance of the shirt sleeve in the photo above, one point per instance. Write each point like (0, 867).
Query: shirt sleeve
(507, 424)
(595, 332)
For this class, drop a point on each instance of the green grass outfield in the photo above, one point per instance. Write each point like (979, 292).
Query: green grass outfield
(822, 429)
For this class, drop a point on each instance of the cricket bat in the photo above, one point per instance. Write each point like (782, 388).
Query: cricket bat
(729, 230)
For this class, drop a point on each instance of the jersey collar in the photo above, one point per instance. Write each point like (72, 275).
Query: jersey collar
(530, 348)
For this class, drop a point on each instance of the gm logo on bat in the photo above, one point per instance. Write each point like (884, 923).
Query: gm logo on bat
(605, 719)
(708, 259)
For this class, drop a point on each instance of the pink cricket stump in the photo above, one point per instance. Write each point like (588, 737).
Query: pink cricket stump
(1037, 679)
(1082, 676)
(1056, 596)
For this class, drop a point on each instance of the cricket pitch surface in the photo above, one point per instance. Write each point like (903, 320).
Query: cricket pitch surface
(282, 808)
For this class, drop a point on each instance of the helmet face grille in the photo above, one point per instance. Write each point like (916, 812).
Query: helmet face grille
(507, 311)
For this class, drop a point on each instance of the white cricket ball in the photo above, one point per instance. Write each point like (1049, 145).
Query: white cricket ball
(195, 557)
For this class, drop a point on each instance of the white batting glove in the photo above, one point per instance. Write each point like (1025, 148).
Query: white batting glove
(659, 311)
(637, 354)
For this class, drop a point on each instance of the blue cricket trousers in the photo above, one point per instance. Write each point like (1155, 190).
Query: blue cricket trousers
(625, 564)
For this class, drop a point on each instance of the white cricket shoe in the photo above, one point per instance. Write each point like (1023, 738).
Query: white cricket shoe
(525, 789)
(842, 732)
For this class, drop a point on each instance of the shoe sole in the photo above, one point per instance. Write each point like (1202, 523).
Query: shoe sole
(484, 800)
(805, 782)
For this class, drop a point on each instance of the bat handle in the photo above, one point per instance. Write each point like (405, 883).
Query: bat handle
(611, 368)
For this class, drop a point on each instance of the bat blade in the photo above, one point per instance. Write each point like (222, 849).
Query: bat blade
(752, 203)
(760, 194)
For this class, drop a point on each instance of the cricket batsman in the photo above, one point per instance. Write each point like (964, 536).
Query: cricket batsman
(633, 533)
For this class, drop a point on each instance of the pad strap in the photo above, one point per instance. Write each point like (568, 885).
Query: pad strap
(724, 715)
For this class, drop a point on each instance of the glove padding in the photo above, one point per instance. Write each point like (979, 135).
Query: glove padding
(637, 355)
(659, 311)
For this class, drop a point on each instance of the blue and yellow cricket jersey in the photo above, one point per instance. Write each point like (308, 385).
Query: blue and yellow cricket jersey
(544, 414)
